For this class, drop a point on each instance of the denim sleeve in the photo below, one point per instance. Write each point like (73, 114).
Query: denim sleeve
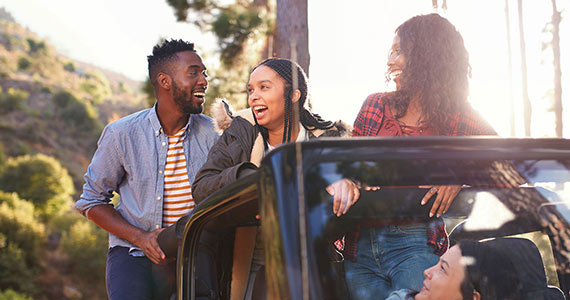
(104, 174)
(403, 294)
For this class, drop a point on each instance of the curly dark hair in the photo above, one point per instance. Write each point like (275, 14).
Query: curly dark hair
(284, 68)
(436, 71)
(162, 55)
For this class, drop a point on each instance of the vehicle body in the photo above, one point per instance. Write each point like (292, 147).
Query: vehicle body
(510, 187)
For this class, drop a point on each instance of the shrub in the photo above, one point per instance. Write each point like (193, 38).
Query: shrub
(86, 245)
(13, 295)
(41, 179)
(24, 64)
(13, 99)
(21, 228)
(77, 113)
(69, 67)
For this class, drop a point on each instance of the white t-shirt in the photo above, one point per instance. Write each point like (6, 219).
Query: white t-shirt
(303, 135)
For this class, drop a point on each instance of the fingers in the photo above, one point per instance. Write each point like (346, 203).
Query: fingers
(445, 196)
(432, 190)
(151, 248)
(345, 193)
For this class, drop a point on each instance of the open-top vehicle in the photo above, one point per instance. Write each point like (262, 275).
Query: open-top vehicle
(511, 187)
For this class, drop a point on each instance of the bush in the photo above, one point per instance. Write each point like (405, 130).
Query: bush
(24, 64)
(41, 179)
(86, 244)
(69, 67)
(13, 99)
(15, 273)
(20, 228)
(77, 113)
(12, 295)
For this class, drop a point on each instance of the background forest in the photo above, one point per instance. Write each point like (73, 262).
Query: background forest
(53, 107)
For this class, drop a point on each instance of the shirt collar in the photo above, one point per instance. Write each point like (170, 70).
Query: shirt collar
(155, 123)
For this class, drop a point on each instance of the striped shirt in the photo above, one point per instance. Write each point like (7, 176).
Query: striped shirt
(178, 199)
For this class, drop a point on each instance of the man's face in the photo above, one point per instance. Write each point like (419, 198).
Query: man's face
(189, 82)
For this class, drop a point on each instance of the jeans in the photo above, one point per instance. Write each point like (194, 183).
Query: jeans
(388, 259)
(138, 278)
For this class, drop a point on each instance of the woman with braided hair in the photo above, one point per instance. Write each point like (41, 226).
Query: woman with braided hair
(277, 90)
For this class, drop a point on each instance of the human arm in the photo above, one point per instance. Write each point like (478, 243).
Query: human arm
(106, 217)
(227, 160)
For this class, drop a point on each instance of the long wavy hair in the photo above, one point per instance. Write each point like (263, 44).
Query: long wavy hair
(293, 80)
(436, 71)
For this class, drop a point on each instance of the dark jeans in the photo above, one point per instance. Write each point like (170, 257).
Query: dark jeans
(138, 278)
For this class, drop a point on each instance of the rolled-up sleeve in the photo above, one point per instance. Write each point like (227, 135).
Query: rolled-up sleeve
(104, 174)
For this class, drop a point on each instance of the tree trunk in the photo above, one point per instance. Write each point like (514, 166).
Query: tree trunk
(557, 72)
(526, 100)
(291, 32)
(510, 62)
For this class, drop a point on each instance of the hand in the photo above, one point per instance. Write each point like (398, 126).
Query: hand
(148, 243)
(345, 193)
(445, 196)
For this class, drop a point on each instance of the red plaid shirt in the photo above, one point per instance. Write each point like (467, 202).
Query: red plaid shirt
(376, 119)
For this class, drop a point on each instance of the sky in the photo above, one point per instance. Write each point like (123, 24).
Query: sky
(348, 45)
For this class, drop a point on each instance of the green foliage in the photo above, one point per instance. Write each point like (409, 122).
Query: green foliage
(79, 114)
(40, 179)
(69, 67)
(97, 86)
(10, 294)
(36, 47)
(148, 89)
(15, 273)
(20, 226)
(2, 156)
(13, 99)
(24, 64)
(86, 246)
(233, 26)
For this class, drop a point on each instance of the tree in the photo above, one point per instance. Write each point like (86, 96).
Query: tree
(248, 27)
(510, 67)
(526, 100)
(41, 179)
(292, 33)
(555, 44)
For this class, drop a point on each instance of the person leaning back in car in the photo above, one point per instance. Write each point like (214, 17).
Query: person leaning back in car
(150, 159)
(430, 66)
(469, 270)
(277, 115)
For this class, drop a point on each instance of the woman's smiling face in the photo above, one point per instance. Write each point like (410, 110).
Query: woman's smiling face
(266, 91)
(443, 281)
(396, 61)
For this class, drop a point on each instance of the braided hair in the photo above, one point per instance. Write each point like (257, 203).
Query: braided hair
(293, 81)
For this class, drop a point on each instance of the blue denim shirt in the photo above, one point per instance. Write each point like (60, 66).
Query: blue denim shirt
(130, 159)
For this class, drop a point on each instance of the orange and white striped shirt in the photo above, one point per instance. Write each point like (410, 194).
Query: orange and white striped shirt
(178, 199)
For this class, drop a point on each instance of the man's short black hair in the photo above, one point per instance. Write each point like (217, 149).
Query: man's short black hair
(163, 53)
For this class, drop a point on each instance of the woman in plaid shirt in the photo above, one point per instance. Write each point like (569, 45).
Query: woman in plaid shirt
(430, 66)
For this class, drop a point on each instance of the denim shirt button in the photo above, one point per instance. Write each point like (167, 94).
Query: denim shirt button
(159, 171)
(158, 198)
(164, 143)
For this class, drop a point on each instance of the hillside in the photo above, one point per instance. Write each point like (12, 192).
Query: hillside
(55, 105)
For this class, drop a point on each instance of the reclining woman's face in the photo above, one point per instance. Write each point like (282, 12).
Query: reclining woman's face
(266, 97)
(443, 281)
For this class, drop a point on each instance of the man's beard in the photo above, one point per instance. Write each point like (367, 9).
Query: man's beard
(184, 101)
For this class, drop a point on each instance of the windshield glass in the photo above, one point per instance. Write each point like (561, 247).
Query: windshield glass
(497, 198)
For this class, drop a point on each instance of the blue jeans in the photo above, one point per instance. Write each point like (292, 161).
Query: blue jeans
(388, 259)
(138, 278)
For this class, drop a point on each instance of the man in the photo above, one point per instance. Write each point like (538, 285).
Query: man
(150, 158)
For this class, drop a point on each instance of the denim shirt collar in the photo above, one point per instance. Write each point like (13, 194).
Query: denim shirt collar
(155, 122)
